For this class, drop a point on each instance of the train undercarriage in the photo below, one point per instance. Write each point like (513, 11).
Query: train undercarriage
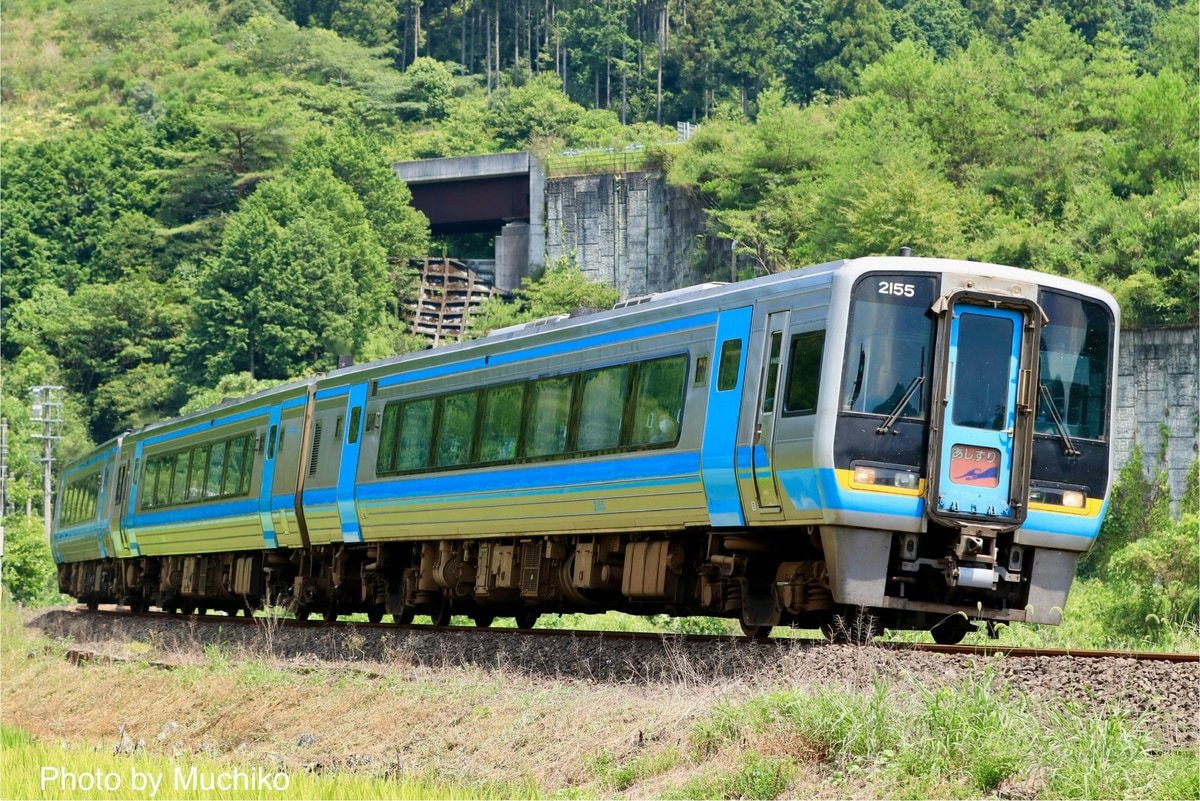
(940, 580)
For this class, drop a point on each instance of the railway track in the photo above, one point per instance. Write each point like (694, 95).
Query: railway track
(652, 637)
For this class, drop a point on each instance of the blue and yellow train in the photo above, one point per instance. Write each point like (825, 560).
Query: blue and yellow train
(915, 437)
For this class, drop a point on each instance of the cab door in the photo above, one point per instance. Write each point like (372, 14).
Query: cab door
(984, 432)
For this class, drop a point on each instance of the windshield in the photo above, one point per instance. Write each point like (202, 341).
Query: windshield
(1075, 354)
(889, 345)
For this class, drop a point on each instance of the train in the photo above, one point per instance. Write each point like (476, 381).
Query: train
(923, 441)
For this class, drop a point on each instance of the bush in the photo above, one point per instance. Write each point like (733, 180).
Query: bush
(27, 569)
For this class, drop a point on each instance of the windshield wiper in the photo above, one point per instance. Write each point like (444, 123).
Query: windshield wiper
(1052, 407)
(904, 399)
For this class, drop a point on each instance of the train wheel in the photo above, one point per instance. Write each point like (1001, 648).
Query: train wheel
(330, 612)
(405, 617)
(93, 606)
(951, 630)
(375, 614)
(483, 620)
(439, 612)
(527, 618)
(303, 612)
(754, 632)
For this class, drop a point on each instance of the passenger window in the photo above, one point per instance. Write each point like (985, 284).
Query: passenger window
(602, 408)
(389, 439)
(549, 411)
(457, 429)
(416, 431)
(731, 358)
(216, 463)
(501, 423)
(271, 443)
(179, 482)
(701, 371)
(247, 471)
(355, 419)
(199, 473)
(162, 487)
(233, 471)
(658, 400)
(148, 483)
(804, 373)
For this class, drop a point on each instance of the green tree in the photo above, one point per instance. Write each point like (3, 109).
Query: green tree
(111, 345)
(28, 571)
(537, 112)
(301, 278)
(560, 289)
(369, 22)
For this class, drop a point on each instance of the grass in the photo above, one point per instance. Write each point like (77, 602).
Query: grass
(966, 741)
(398, 730)
(35, 770)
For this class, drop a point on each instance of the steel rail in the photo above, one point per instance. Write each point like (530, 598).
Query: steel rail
(960, 650)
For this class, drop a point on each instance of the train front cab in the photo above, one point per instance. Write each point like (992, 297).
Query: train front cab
(970, 450)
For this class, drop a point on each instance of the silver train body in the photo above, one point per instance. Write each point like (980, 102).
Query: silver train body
(924, 439)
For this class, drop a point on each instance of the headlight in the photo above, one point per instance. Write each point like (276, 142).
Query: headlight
(1065, 496)
(900, 476)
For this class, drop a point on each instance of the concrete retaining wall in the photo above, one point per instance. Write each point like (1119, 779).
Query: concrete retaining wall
(630, 230)
(1158, 401)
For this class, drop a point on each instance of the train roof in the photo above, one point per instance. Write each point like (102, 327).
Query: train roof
(691, 299)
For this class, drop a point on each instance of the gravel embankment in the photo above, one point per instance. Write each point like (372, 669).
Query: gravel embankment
(1165, 695)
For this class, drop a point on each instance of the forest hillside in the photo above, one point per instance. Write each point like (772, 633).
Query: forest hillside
(198, 195)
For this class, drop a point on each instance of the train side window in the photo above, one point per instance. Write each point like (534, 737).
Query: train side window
(338, 426)
(602, 408)
(389, 442)
(416, 432)
(658, 400)
(162, 487)
(271, 443)
(216, 464)
(236, 457)
(355, 421)
(547, 416)
(701, 371)
(199, 473)
(247, 470)
(731, 362)
(147, 491)
(179, 484)
(456, 431)
(501, 423)
(804, 373)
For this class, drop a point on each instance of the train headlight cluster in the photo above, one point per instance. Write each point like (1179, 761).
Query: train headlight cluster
(1059, 495)
(899, 476)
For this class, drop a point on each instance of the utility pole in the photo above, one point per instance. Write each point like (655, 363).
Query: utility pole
(47, 410)
(3, 479)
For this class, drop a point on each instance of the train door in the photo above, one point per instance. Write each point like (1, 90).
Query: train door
(348, 469)
(765, 487)
(717, 454)
(267, 483)
(128, 503)
(980, 464)
(119, 494)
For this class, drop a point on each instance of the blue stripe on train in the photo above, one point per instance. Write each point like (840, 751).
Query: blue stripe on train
(550, 477)
(616, 336)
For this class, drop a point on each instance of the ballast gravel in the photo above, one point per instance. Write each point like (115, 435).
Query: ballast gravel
(1164, 696)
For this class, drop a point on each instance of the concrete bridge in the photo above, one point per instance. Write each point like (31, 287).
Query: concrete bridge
(501, 193)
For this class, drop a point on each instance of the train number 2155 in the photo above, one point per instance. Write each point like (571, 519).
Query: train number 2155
(896, 288)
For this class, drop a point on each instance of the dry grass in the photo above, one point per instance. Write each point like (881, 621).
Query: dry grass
(466, 726)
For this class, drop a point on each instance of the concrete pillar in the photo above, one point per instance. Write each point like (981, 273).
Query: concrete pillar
(512, 256)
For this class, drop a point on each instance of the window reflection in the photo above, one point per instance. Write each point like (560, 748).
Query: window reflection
(1074, 352)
